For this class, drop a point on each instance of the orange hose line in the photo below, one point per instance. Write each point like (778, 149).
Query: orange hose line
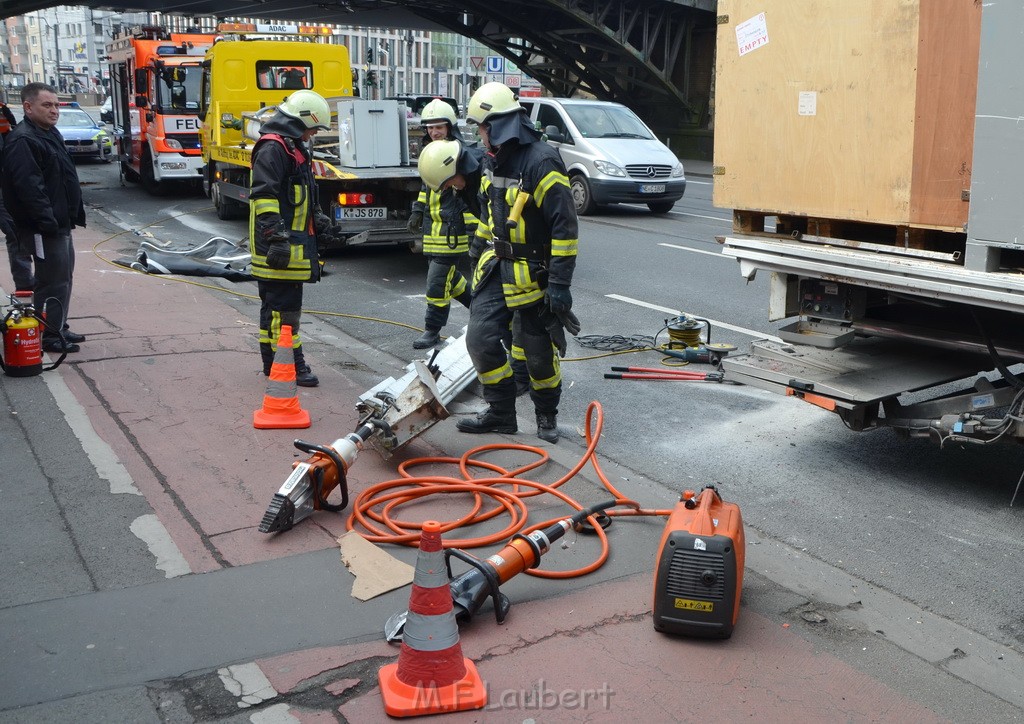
(375, 509)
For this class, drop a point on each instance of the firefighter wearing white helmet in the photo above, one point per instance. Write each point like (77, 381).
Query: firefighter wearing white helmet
(523, 276)
(446, 217)
(285, 220)
(309, 107)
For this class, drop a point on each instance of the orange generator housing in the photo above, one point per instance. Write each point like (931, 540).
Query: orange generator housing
(700, 567)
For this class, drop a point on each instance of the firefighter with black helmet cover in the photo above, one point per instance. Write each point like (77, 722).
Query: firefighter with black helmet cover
(524, 274)
(284, 221)
(447, 219)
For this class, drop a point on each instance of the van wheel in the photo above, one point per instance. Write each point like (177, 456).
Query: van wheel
(660, 207)
(581, 196)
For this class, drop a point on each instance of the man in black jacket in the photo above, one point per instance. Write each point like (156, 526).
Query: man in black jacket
(43, 195)
(20, 260)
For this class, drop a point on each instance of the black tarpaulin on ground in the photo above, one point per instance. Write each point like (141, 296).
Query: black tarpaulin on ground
(216, 257)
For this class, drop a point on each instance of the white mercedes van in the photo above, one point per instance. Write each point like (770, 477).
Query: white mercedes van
(611, 156)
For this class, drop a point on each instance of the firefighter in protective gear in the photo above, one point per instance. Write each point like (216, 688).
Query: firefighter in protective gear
(445, 212)
(284, 220)
(525, 271)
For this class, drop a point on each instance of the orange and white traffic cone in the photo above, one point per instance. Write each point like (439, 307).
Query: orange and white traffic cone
(281, 409)
(431, 676)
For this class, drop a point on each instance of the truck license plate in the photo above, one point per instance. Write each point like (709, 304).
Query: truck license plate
(652, 188)
(361, 212)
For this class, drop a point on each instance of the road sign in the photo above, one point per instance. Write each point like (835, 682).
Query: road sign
(513, 81)
(495, 78)
(495, 64)
(477, 61)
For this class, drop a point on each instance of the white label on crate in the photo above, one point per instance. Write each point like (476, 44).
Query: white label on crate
(752, 34)
(699, 545)
(808, 103)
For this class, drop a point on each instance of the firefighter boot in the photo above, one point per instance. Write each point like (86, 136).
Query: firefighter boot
(430, 337)
(304, 376)
(498, 417)
(547, 426)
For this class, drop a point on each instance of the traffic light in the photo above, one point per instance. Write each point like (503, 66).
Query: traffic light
(369, 55)
(371, 78)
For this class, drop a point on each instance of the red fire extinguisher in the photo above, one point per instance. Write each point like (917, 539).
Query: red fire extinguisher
(23, 338)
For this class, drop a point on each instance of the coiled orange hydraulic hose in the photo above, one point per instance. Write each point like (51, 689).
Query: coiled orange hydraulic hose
(374, 510)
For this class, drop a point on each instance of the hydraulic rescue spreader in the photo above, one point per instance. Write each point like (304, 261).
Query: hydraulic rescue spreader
(523, 552)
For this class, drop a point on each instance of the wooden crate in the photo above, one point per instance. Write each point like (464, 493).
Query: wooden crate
(847, 109)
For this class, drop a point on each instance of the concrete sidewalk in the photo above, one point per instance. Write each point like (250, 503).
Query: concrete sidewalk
(145, 470)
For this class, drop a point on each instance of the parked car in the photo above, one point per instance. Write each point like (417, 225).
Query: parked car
(107, 110)
(83, 137)
(612, 157)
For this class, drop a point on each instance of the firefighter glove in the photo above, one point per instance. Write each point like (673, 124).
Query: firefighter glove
(279, 253)
(559, 298)
(416, 222)
(323, 225)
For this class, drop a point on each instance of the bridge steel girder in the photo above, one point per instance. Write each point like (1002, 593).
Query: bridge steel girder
(637, 52)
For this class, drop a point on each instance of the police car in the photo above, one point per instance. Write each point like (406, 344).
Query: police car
(83, 137)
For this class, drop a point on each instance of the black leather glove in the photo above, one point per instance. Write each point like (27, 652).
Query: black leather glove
(323, 225)
(559, 298)
(416, 222)
(279, 254)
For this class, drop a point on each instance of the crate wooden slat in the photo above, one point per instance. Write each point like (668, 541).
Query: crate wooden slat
(890, 138)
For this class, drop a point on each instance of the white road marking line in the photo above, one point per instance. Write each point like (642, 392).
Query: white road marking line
(102, 457)
(696, 251)
(676, 312)
(248, 682)
(700, 183)
(169, 559)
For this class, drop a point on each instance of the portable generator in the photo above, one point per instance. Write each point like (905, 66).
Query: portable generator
(700, 567)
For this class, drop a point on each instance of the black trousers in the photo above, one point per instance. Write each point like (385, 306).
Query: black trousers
(489, 320)
(444, 283)
(55, 270)
(280, 305)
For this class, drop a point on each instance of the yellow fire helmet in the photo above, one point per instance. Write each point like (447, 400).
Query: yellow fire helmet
(491, 99)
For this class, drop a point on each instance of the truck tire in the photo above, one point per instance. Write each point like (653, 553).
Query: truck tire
(581, 196)
(227, 209)
(129, 173)
(149, 182)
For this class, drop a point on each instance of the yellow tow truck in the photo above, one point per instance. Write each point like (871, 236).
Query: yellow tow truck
(365, 178)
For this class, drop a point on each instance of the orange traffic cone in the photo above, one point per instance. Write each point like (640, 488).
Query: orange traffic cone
(431, 676)
(281, 408)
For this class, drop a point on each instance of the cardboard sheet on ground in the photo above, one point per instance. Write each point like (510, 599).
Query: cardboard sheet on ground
(376, 572)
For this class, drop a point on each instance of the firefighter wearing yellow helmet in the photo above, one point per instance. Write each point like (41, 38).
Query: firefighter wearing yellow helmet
(524, 274)
(446, 215)
(284, 221)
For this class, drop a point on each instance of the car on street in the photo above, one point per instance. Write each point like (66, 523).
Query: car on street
(83, 136)
(612, 157)
(107, 110)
